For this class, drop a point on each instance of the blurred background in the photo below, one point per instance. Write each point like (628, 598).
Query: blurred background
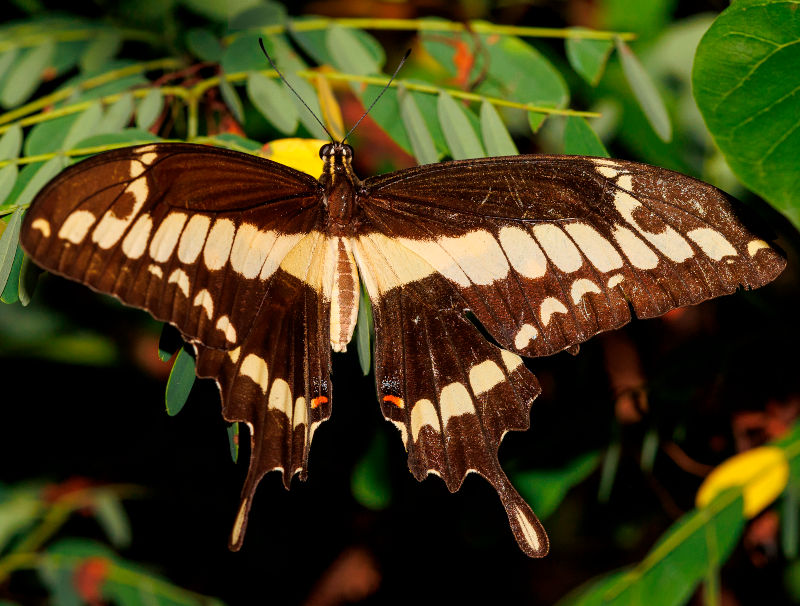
(104, 497)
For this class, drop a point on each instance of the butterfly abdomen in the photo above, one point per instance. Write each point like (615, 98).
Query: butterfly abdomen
(344, 292)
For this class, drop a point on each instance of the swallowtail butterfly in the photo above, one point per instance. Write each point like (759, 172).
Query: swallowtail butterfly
(259, 266)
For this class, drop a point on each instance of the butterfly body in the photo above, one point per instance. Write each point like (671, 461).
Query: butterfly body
(259, 266)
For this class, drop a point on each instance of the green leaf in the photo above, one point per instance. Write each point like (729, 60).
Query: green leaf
(26, 74)
(544, 489)
(11, 143)
(10, 292)
(29, 274)
(259, 16)
(231, 99)
(219, 11)
(112, 518)
(128, 136)
(580, 139)
(204, 45)
(289, 62)
(233, 441)
(495, 135)
(33, 178)
(117, 116)
(19, 509)
(363, 336)
(458, 131)
(273, 101)
(244, 54)
(370, 484)
(745, 82)
(100, 50)
(418, 134)
(645, 92)
(85, 125)
(644, 18)
(149, 109)
(48, 137)
(588, 57)
(179, 384)
(9, 242)
(507, 67)
(350, 53)
(673, 569)
(8, 177)
(7, 59)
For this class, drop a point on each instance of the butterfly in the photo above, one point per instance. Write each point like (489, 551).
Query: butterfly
(259, 267)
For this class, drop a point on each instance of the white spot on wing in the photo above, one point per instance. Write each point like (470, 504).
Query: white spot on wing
(615, 279)
(180, 278)
(551, 306)
(455, 401)
(250, 249)
(755, 245)
(668, 241)
(156, 271)
(255, 368)
(526, 334)
(280, 397)
(523, 253)
(600, 252)
(485, 376)
(76, 226)
(193, 238)
(712, 242)
(582, 286)
(300, 416)
(135, 242)
(204, 300)
(218, 244)
(224, 324)
(558, 247)
(478, 254)
(166, 237)
(111, 227)
(511, 360)
(639, 254)
(42, 225)
(607, 171)
(528, 531)
(423, 413)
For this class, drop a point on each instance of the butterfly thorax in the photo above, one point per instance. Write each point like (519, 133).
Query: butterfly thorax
(340, 283)
(339, 184)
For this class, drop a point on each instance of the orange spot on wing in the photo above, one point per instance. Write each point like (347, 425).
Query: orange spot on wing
(318, 400)
(394, 400)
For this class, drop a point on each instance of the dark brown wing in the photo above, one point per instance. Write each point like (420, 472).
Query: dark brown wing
(549, 250)
(228, 248)
(190, 233)
(546, 251)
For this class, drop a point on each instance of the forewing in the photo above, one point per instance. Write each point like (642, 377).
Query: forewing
(547, 251)
(193, 234)
(452, 394)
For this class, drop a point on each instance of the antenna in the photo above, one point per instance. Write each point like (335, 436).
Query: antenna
(385, 88)
(364, 115)
(291, 88)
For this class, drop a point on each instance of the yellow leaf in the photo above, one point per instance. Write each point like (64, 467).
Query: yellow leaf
(301, 154)
(761, 472)
(331, 112)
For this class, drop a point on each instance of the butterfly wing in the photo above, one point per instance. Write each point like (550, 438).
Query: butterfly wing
(545, 252)
(222, 245)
